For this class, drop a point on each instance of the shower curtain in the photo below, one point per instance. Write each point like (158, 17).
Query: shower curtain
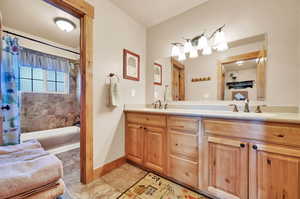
(9, 90)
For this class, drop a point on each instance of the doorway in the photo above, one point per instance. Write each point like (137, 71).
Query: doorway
(178, 81)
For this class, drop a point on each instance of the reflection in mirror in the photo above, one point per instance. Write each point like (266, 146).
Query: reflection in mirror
(235, 74)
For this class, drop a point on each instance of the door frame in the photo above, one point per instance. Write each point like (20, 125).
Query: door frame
(181, 67)
(261, 54)
(85, 12)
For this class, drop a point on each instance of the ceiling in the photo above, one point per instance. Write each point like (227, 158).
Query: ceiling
(36, 18)
(247, 64)
(152, 12)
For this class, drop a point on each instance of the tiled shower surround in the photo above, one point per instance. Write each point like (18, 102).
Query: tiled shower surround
(44, 111)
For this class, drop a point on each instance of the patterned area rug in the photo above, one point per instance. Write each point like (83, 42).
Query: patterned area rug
(156, 187)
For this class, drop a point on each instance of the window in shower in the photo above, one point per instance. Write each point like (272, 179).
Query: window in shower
(43, 81)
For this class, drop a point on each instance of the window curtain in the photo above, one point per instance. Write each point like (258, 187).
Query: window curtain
(37, 59)
(9, 90)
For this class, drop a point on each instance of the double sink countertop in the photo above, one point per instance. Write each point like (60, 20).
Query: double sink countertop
(263, 117)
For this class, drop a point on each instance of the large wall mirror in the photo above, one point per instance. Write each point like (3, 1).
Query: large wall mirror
(236, 74)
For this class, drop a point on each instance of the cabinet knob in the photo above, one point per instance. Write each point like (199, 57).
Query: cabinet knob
(242, 145)
(254, 147)
(145, 128)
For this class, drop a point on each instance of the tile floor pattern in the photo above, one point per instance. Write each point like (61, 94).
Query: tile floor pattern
(109, 186)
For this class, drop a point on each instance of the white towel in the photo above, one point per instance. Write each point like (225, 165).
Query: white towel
(114, 93)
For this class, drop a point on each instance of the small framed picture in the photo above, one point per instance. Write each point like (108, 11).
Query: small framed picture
(131, 65)
(157, 74)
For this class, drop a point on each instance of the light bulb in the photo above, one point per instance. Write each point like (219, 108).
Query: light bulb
(188, 46)
(182, 56)
(202, 43)
(219, 38)
(194, 53)
(207, 51)
(175, 51)
(222, 47)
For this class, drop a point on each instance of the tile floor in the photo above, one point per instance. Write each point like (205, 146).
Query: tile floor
(108, 186)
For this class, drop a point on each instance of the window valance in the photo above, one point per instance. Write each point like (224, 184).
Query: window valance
(38, 59)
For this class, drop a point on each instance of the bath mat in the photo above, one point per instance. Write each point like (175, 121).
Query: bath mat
(156, 187)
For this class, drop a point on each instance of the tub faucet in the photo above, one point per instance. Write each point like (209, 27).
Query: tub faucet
(246, 109)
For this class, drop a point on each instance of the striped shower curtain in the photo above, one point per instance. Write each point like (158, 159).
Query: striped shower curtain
(10, 100)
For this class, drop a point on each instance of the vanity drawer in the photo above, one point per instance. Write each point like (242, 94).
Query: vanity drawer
(183, 170)
(146, 119)
(184, 146)
(279, 133)
(183, 124)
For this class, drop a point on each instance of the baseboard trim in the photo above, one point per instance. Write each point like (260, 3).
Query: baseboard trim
(100, 171)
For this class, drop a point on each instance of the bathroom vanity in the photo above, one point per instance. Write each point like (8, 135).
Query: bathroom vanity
(227, 155)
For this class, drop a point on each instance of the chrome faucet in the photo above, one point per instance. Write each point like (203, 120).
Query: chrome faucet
(158, 102)
(246, 109)
(235, 107)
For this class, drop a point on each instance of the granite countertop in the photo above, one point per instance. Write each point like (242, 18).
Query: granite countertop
(264, 117)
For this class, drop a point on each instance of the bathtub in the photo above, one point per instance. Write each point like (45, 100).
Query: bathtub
(57, 140)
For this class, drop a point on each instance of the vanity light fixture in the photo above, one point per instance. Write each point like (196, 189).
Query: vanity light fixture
(175, 50)
(194, 53)
(182, 56)
(220, 43)
(188, 47)
(64, 24)
(207, 51)
(201, 42)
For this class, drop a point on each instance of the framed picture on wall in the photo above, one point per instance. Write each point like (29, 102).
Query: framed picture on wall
(131, 65)
(157, 74)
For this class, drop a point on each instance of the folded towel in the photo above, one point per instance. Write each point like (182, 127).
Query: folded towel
(48, 191)
(31, 144)
(26, 168)
(114, 93)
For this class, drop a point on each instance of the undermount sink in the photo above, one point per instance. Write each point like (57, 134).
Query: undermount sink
(243, 114)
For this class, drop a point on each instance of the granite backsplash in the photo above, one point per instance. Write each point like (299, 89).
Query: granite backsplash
(44, 111)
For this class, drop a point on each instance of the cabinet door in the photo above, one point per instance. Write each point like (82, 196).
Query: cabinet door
(228, 168)
(274, 172)
(154, 154)
(134, 143)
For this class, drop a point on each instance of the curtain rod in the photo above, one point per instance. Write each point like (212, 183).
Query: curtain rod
(41, 42)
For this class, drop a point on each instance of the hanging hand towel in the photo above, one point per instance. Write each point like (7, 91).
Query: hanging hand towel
(114, 93)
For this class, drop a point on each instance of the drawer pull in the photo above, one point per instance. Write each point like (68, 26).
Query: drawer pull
(176, 144)
(254, 147)
(280, 136)
(178, 127)
(242, 145)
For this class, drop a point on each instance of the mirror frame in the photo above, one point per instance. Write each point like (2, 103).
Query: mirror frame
(261, 72)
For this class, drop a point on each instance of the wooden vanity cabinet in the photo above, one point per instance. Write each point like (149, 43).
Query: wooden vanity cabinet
(154, 148)
(145, 140)
(182, 153)
(262, 156)
(274, 172)
(134, 143)
(227, 168)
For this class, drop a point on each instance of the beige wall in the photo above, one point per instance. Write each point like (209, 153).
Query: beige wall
(243, 19)
(113, 31)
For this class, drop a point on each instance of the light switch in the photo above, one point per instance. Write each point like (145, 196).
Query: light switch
(132, 92)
